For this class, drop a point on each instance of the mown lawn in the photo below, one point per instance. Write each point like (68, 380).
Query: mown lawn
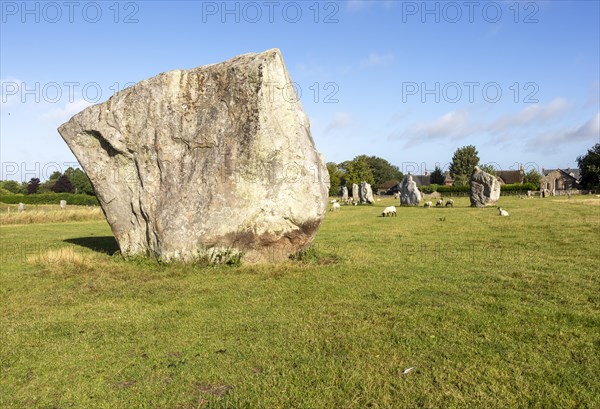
(489, 311)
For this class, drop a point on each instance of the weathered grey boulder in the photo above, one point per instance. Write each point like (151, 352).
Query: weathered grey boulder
(344, 194)
(211, 162)
(355, 196)
(485, 188)
(365, 193)
(410, 195)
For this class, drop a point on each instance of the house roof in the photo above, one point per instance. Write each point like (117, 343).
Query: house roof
(422, 180)
(574, 173)
(389, 184)
(510, 176)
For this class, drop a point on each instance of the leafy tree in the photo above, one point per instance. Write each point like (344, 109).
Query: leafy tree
(488, 169)
(437, 177)
(461, 180)
(63, 185)
(463, 163)
(33, 186)
(46, 187)
(382, 171)
(335, 178)
(81, 183)
(358, 170)
(533, 177)
(11, 186)
(589, 166)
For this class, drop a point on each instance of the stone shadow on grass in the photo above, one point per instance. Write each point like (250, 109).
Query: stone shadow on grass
(102, 244)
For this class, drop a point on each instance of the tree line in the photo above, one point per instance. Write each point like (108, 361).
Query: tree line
(376, 171)
(71, 181)
(371, 169)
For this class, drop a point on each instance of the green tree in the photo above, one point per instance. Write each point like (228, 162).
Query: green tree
(463, 163)
(487, 168)
(80, 181)
(382, 171)
(11, 186)
(589, 167)
(335, 178)
(358, 170)
(33, 186)
(46, 186)
(63, 185)
(533, 177)
(437, 177)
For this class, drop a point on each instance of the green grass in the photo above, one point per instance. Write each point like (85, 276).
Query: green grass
(490, 311)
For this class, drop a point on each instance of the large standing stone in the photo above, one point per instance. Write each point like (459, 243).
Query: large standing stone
(63, 204)
(409, 192)
(366, 193)
(355, 197)
(485, 188)
(205, 163)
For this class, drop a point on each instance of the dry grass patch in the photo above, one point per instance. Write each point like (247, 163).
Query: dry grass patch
(47, 214)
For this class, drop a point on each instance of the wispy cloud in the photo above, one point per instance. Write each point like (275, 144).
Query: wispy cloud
(67, 111)
(531, 115)
(376, 59)
(456, 125)
(398, 116)
(506, 130)
(551, 141)
(340, 120)
(453, 125)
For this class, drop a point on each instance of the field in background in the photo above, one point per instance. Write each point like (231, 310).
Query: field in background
(489, 311)
(9, 214)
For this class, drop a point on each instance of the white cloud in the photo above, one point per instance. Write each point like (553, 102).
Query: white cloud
(67, 111)
(548, 141)
(454, 125)
(340, 120)
(398, 116)
(530, 115)
(376, 59)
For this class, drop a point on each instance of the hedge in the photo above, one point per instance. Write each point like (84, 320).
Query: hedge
(50, 198)
(517, 187)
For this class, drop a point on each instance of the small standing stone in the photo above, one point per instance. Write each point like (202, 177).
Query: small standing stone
(344, 194)
(22, 207)
(63, 204)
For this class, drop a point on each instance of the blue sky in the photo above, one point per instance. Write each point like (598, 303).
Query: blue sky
(407, 81)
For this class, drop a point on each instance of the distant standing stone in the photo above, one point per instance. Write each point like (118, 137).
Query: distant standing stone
(63, 204)
(355, 197)
(485, 188)
(21, 207)
(409, 192)
(344, 194)
(366, 193)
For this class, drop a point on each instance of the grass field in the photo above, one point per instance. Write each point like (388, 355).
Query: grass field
(489, 311)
